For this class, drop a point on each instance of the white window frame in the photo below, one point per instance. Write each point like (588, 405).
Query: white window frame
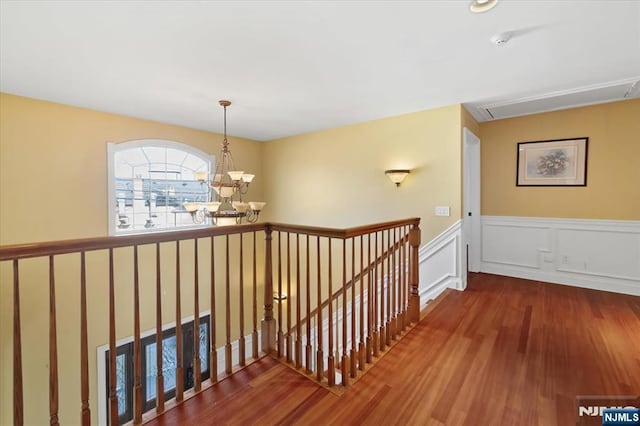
(103, 370)
(115, 147)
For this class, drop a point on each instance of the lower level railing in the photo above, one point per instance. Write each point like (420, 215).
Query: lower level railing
(169, 314)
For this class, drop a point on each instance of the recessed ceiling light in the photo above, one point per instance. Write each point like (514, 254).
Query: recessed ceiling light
(479, 6)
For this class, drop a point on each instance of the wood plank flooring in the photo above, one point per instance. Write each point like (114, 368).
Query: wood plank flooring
(504, 352)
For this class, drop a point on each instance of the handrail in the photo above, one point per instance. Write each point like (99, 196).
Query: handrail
(49, 248)
(343, 233)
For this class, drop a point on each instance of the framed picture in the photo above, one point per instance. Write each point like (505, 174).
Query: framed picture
(560, 162)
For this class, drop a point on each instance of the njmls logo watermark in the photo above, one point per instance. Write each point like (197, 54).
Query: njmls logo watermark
(604, 410)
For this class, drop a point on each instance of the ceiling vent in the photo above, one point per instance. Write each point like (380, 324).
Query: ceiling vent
(616, 91)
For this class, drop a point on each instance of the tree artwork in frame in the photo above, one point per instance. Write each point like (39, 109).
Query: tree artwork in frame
(560, 162)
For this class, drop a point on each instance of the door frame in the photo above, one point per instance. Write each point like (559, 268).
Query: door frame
(471, 204)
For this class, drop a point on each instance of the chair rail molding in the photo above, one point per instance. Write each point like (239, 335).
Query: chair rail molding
(441, 264)
(590, 253)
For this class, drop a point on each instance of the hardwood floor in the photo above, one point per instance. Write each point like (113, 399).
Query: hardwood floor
(504, 352)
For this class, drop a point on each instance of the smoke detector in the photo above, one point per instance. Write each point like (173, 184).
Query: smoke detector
(479, 6)
(501, 38)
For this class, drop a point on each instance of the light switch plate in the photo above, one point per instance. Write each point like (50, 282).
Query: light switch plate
(442, 210)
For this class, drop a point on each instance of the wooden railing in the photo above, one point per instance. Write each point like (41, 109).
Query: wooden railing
(350, 307)
(339, 311)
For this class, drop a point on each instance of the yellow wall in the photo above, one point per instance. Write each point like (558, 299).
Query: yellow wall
(52, 153)
(336, 177)
(613, 166)
(53, 185)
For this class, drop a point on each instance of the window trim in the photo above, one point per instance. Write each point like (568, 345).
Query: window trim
(115, 147)
(103, 368)
(187, 330)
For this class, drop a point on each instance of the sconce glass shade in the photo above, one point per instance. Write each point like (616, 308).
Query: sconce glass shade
(397, 175)
(279, 297)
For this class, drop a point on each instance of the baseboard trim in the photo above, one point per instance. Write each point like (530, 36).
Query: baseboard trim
(564, 279)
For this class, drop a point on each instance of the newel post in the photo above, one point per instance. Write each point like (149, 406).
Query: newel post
(414, 278)
(268, 322)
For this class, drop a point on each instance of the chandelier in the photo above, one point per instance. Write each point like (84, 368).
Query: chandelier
(229, 185)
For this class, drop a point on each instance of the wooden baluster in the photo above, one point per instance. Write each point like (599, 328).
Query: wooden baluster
(345, 359)
(241, 341)
(402, 305)
(137, 360)
(383, 273)
(369, 342)
(330, 360)
(354, 337)
(337, 354)
(213, 352)
(228, 361)
(376, 323)
(159, 366)
(268, 324)
(401, 283)
(197, 374)
(298, 351)
(401, 280)
(395, 285)
(320, 351)
(254, 335)
(288, 334)
(405, 275)
(53, 348)
(362, 356)
(179, 367)
(113, 398)
(414, 296)
(391, 273)
(18, 411)
(280, 334)
(308, 349)
(84, 347)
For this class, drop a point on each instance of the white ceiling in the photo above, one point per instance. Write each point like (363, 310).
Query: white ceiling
(293, 67)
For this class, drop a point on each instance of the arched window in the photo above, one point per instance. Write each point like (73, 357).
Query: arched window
(149, 180)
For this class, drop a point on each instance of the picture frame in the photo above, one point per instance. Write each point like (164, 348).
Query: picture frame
(556, 162)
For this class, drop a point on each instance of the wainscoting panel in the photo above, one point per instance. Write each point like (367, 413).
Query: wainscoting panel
(440, 264)
(599, 254)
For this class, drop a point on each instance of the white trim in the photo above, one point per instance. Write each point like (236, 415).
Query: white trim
(562, 93)
(472, 189)
(440, 263)
(480, 110)
(102, 367)
(591, 253)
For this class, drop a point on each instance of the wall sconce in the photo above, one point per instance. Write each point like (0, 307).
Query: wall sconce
(397, 175)
(279, 297)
